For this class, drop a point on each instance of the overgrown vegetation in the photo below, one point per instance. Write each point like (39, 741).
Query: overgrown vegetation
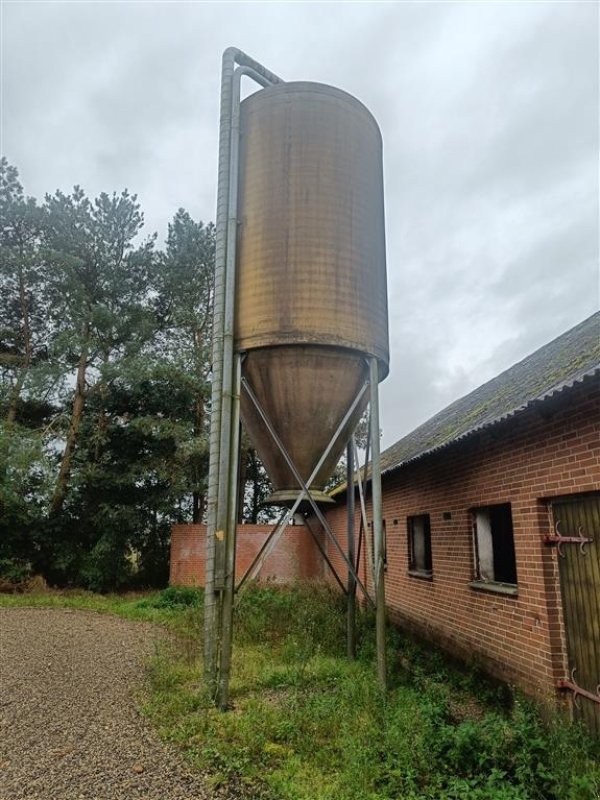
(308, 725)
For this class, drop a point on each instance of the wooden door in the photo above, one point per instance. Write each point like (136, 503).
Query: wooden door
(578, 519)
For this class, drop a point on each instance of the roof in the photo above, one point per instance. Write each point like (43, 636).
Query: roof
(558, 365)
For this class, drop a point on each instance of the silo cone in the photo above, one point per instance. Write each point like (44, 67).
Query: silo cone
(311, 278)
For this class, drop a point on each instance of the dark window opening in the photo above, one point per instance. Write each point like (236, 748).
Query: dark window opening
(494, 545)
(419, 544)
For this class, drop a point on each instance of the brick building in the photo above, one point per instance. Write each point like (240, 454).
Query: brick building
(473, 501)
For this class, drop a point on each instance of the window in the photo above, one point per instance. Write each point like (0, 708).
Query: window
(494, 545)
(419, 545)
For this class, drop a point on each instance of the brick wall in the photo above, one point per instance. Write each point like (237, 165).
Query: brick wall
(538, 455)
(294, 557)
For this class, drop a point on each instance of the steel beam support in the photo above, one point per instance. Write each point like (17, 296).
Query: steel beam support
(377, 524)
(264, 552)
(363, 508)
(351, 612)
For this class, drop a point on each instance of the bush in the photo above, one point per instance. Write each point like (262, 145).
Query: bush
(176, 597)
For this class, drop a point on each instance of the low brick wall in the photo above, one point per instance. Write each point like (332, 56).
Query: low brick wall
(295, 556)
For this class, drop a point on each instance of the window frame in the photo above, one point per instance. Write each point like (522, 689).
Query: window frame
(493, 534)
(414, 570)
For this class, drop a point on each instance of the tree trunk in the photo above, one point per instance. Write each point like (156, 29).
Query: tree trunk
(64, 474)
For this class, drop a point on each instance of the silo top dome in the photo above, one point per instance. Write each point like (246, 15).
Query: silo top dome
(306, 89)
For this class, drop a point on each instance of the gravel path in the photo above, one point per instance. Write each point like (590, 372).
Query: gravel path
(68, 725)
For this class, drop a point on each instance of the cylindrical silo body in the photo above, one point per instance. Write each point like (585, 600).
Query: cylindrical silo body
(311, 280)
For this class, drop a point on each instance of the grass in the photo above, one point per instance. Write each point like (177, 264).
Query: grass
(306, 724)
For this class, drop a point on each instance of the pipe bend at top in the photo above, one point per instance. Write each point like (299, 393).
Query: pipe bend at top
(234, 54)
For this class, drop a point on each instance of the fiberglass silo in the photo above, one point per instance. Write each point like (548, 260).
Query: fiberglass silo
(311, 280)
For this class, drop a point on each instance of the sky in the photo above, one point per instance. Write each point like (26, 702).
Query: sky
(489, 113)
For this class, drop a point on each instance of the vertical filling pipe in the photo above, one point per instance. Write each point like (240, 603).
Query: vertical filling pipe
(210, 598)
(224, 428)
(230, 542)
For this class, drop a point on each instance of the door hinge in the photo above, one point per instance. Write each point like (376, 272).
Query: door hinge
(578, 691)
(558, 539)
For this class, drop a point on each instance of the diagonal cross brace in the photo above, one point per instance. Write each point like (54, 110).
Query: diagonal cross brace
(304, 488)
(277, 531)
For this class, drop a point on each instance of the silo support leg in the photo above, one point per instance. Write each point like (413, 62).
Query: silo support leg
(377, 523)
(351, 591)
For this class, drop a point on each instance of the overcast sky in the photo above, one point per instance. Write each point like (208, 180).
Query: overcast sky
(489, 114)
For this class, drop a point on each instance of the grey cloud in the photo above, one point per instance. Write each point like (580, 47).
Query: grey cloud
(489, 113)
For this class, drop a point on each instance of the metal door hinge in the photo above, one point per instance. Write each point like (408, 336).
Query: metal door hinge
(558, 539)
(578, 691)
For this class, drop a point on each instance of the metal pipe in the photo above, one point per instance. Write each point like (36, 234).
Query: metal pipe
(228, 343)
(244, 59)
(377, 524)
(351, 620)
(210, 599)
(219, 489)
(363, 508)
(228, 339)
(230, 542)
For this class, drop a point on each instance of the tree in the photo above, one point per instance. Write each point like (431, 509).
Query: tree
(24, 333)
(104, 385)
(98, 288)
(184, 284)
(25, 408)
(255, 486)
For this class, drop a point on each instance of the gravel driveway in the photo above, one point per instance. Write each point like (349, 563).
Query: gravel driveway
(68, 726)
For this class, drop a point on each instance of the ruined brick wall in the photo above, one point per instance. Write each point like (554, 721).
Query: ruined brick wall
(295, 556)
(525, 461)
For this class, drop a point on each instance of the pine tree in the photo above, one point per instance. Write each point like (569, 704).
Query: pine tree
(98, 288)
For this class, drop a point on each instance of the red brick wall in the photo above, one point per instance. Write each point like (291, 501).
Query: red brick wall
(294, 556)
(522, 462)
